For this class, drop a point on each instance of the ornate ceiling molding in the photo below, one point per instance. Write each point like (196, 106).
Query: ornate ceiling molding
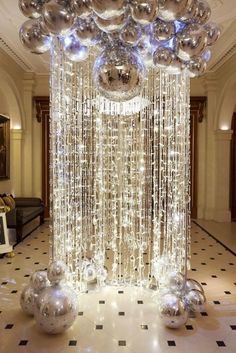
(14, 55)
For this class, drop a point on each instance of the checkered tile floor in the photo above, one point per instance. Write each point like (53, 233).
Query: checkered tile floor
(119, 320)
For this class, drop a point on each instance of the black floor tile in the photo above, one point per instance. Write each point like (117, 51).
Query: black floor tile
(171, 343)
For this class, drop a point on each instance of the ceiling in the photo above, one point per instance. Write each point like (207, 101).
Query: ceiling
(223, 12)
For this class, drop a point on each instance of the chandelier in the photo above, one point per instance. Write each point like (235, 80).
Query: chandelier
(119, 132)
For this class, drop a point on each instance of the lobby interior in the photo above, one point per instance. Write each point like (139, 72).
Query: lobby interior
(122, 319)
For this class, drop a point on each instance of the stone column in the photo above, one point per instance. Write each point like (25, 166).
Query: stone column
(28, 84)
(16, 155)
(209, 162)
(222, 176)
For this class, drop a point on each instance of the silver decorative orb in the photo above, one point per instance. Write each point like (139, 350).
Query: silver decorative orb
(176, 67)
(170, 10)
(89, 273)
(119, 73)
(86, 31)
(58, 17)
(191, 42)
(172, 311)
(131, 33)
(56, 309)
(162, 30)
(163, 57)
(74, 50)
(195, 300)
(107, 9)
(190, 11)
(203, 12)
(196, 67)
(39, 280)
(213, 32)
(144, 12)
(175, 281)
(82, 8)
(27, 300)
(56, 272)
(32, 37)
(31, 8)
(193, 284)
(102, 274)
(112, 24)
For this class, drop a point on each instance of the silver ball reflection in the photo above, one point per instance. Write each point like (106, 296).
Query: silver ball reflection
(144, 12)
(31, 8)
(111, 25)
(170, 10)
(56, 272)
(86, 31)
(107, 9)
(119, 73)
(176, 67)
(163, 57)
(82, 8)
(193, 284)
(39, 280)
(74, 50)
(175, 281)
(131, 33)
(162, 30)
(32, 37)
(196, 67)
(195, 300)
(172, 311)
(213, 32)
(190, 11)
(191, 41)
(58, 18)
(27, 300)
(203, 12)
(89, 273)
(56, 309)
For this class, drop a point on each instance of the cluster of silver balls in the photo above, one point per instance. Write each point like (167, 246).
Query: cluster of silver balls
(52, 301)
(179, 298)
(173, 35)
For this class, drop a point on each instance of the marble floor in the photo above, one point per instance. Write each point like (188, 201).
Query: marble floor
(223, 232)
(123, 320)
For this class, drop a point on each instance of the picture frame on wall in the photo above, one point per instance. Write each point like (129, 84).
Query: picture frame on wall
(4, 147)
(5, 247)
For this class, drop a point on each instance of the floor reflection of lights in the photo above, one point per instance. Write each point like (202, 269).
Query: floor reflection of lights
(123, 319)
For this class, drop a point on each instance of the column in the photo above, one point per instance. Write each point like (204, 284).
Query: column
(222, 185)
(16, 155)
(28, 85)
(209, 161)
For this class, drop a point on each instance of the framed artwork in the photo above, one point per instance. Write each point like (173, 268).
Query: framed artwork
(4, 148)
(4, 239)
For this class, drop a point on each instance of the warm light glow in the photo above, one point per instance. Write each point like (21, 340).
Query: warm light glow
(119, 184)
(224, 128)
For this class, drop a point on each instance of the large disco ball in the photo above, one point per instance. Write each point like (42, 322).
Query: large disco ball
(56, 308)
(119, 73)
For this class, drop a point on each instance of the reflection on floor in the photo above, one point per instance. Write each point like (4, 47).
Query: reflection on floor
(224, 232)
(118, 320)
